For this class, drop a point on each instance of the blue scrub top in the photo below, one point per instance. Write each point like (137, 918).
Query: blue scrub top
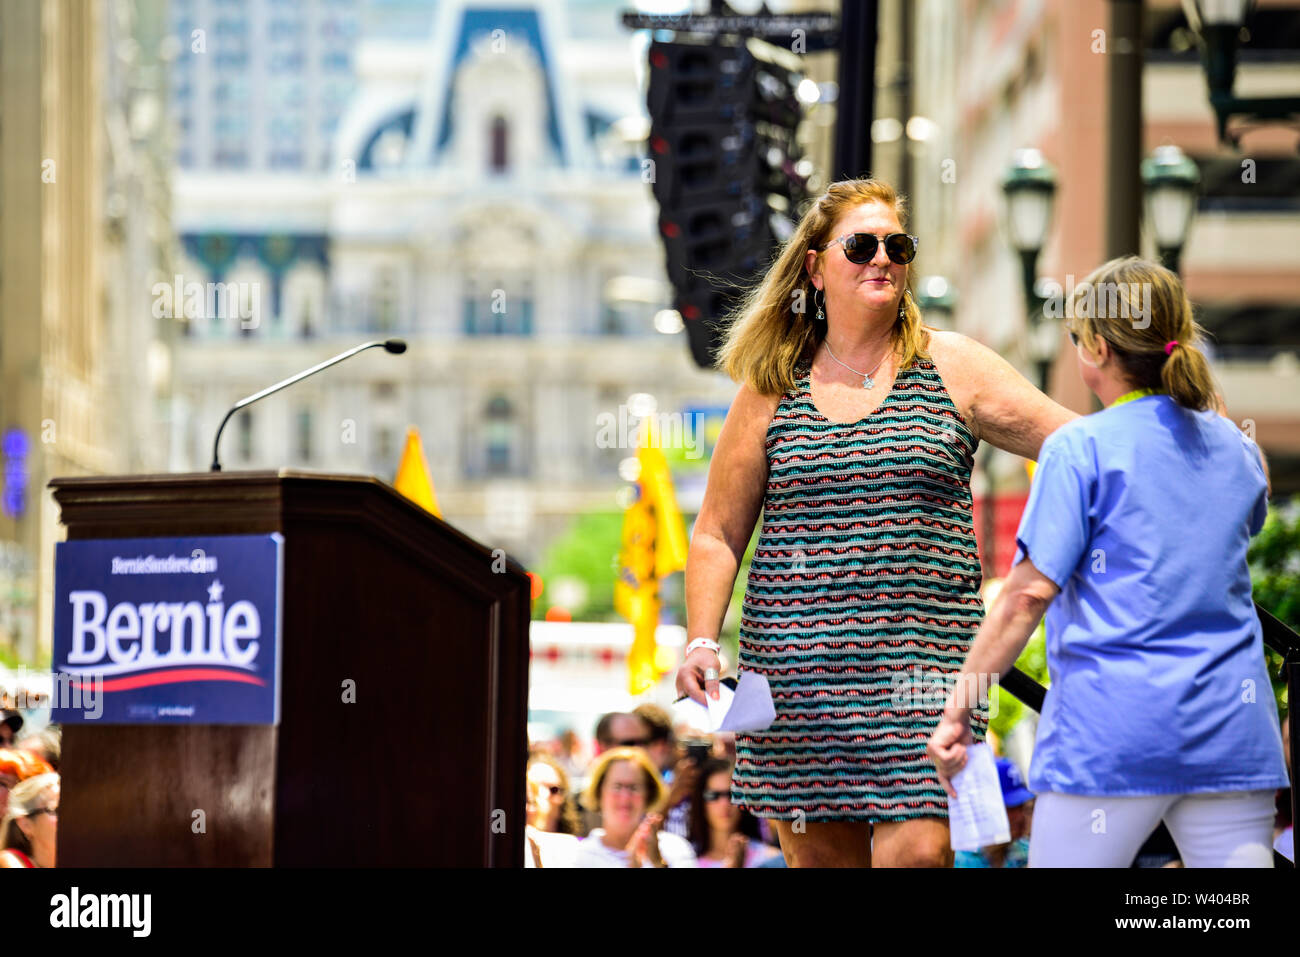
(1141, 514)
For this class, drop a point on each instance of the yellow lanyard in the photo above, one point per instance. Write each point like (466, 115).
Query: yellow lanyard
(1135, 394)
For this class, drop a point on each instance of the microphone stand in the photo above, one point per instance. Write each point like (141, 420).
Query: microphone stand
(395, 346)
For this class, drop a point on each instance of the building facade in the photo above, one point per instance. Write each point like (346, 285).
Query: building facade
(84, 228)
(484, 201)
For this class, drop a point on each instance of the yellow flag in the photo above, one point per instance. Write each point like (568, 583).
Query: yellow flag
(657, 486)
(654, 546)
(636, 559)
(413, 479)
(636, 592)
(642, 672)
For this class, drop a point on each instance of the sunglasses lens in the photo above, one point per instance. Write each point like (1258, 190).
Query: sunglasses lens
(860, 248)
(900, 249)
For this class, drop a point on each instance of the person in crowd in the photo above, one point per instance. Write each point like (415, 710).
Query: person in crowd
(570, 753)
(557, 812)
(46, 744)
(614, 730)
(29, 828)
(18, 765)
(11, 722)
(1019, 802)
(1160, 705)
(675, 766)
(661, 747)
(722, 834)
(552, 822)
(621, 730)
(853, 435)
(624, 785)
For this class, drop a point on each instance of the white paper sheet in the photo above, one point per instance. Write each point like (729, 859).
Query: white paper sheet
(976, 816)
(748, 708)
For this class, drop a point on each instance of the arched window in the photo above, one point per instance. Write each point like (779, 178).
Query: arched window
(384, 301)
(499, 436)
(499, 155)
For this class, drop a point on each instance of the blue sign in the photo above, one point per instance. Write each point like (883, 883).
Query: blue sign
(168, 630)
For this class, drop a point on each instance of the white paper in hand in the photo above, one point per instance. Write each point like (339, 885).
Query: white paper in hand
(748, 708)
(976, 816)
(752, 708)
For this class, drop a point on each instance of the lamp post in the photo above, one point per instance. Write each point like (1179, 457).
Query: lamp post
(1030, 189)
(937, 300)
(1217, 24)
(1172, 184)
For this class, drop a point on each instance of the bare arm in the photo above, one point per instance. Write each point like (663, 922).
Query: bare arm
(1006, 630)
(1001, 638)
(1001, 406)
(733, 499)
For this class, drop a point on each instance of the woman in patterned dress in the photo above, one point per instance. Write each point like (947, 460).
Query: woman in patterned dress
(854, 432)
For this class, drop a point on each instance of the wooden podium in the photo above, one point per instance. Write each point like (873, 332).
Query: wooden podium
(425, 768)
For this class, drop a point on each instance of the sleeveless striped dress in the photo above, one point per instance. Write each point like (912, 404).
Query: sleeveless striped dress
(863, 591)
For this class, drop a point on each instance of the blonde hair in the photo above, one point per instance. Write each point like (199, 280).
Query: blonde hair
(773, 332)
(654, 783)
(1139, 307)
(569, 823)
(24, 797)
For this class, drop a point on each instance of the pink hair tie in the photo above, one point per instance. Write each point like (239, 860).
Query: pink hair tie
(1169, 346)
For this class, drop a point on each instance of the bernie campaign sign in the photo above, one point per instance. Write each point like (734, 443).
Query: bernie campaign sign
(168, 630)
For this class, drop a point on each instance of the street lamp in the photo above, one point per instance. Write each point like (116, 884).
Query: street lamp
(1217, 24)
(937, 300)
(1030, 189)
(1172, 182)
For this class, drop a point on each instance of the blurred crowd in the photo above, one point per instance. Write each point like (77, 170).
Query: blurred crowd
(655, 795)
(29, 790)
(652, 795)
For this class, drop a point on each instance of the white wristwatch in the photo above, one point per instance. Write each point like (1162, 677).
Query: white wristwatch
(708, 643)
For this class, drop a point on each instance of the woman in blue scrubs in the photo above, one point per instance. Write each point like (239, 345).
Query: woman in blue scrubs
(1133, 542)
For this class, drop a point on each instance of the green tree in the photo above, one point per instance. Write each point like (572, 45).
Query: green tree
(588, 553)
(1274, 558)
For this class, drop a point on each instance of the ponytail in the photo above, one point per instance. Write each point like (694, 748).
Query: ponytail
(1185, 375)
(1163, 352)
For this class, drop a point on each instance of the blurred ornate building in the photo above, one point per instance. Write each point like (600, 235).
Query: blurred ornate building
(482, 199)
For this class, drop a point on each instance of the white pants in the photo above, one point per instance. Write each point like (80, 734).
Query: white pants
(1223, 829)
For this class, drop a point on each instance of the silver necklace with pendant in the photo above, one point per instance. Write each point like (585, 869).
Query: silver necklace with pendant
(867, 380)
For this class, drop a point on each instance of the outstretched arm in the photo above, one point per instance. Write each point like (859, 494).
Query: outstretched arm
(1002, 407)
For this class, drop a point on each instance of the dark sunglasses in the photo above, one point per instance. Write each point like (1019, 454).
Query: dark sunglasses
(711, 796)
(861, 247)
(633, 743)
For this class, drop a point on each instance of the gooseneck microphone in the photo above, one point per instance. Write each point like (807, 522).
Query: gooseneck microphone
(395, 346)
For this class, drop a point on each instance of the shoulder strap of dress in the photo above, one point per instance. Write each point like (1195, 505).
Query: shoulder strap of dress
(26, 861)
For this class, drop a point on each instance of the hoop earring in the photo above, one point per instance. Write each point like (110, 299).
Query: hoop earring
(821, 311)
